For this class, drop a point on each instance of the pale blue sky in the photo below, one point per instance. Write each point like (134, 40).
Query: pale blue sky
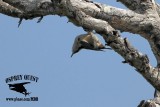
(88, 79)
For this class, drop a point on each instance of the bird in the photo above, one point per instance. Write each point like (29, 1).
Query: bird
(87, 41)
(18, 87)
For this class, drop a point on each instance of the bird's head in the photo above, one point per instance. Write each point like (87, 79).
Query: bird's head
(76, 46)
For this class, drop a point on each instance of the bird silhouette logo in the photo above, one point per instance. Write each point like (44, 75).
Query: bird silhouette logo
(19, 87)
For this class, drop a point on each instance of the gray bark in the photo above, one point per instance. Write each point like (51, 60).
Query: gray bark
(142, 18)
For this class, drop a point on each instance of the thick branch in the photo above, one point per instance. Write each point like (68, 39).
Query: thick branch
(7, 9)
(158, 8)
(130, 4)
(32, 8)
(121, 19)
(139, 6)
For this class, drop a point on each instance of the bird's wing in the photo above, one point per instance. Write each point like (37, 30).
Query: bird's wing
(87, 38)
(86, 45)
(97, 42)
(95, 38)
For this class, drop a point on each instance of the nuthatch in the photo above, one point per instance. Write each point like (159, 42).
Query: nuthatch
(87, 41)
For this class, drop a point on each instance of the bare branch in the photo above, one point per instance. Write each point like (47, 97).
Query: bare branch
(32, 8)
(121, 19)
(139, 6)
(158, 8)
(130, 4)
(7, 9)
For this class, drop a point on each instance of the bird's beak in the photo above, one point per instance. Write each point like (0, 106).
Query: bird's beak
(72, 55)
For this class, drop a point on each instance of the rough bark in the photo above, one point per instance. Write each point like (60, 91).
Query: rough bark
(142, 18)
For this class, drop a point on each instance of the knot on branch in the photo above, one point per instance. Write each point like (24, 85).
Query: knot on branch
(110, 37)
(145, 59)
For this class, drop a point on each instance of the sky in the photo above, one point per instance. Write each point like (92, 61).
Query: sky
(88, 79)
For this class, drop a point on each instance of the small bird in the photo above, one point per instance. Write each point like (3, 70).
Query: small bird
(87, 41)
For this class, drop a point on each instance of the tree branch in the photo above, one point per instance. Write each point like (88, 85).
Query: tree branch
(130, 4)
(158, 8)
(139, 6)
(7, 9)
(124, 20)
(121, 19)
(33, 8)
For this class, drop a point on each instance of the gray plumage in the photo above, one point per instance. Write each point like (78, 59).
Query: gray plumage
(87, 41)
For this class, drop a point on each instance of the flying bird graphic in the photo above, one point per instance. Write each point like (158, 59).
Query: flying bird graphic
(19, 87)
